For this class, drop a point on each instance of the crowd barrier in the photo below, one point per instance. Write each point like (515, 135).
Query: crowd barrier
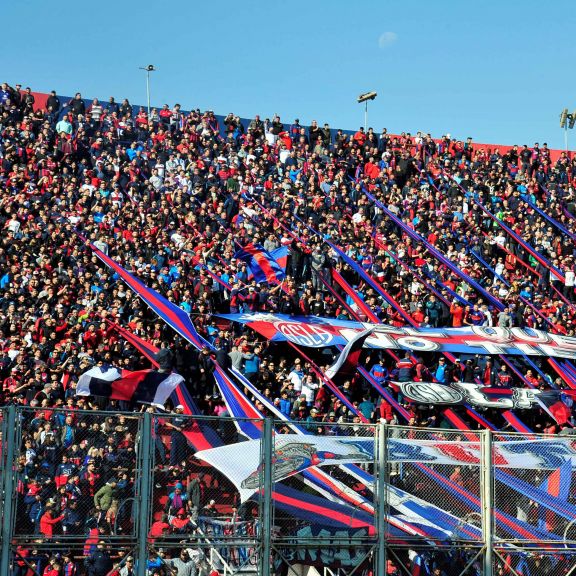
(335, 498)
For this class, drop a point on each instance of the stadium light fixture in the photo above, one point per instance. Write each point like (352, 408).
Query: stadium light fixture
(567, 121)
(366, 97)
(148, 69)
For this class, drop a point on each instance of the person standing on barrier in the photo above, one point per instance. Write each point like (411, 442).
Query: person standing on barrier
(196, 490)
(177, 439)
(158, 444)
(104, 496)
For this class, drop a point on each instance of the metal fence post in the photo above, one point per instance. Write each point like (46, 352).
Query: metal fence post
(266, 486)
(487, 499)
(381, 495)
(8, 490)
(146, 447)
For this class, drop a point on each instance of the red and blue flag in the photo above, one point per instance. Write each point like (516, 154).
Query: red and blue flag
(261, 263)
(557, 485)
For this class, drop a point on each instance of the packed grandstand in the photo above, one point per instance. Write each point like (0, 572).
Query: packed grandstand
(365, 227)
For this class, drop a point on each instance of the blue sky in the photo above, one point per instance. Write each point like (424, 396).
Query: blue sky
(497, 71)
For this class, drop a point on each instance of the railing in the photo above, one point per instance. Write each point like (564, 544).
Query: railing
(142, 488)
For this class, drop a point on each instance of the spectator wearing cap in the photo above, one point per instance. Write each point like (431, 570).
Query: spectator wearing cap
(251, 365)
(106, 495)
(300, 404)
(441, 371)
(312, 420)
(177, 499)
(99, 562)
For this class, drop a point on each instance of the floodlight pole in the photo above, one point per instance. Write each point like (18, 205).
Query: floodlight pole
(148, 69)
(148, 90)
(567, 120)
(363, 98)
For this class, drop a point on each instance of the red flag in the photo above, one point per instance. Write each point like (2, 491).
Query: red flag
(553, 405)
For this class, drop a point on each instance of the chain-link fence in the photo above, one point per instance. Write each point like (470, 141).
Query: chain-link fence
(203, 504)
(534, 489)
(324, 497)
(3, 457)
(429, 480)
(461, 560)
(559, 562)
(75, 473)
(103, 491)
(98, 556)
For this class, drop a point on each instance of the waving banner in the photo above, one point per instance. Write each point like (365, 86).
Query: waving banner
(294, 453)
(261, 263)
(317, 332)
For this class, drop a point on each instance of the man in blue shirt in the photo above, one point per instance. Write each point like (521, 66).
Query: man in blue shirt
(379, 372)
(64, 126)
(285, 404)
(440, 372)
(367, 407)
(4, 93)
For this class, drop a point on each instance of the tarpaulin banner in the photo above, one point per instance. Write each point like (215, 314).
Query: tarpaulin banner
(475, 394)
(294, 453)
(316, 332)
(413, 515)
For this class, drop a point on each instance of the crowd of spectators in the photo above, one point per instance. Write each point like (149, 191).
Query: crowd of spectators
(171, 194)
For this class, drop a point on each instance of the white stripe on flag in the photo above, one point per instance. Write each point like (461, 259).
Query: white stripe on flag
(166, 387)
(108, 373)
(333, 370)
